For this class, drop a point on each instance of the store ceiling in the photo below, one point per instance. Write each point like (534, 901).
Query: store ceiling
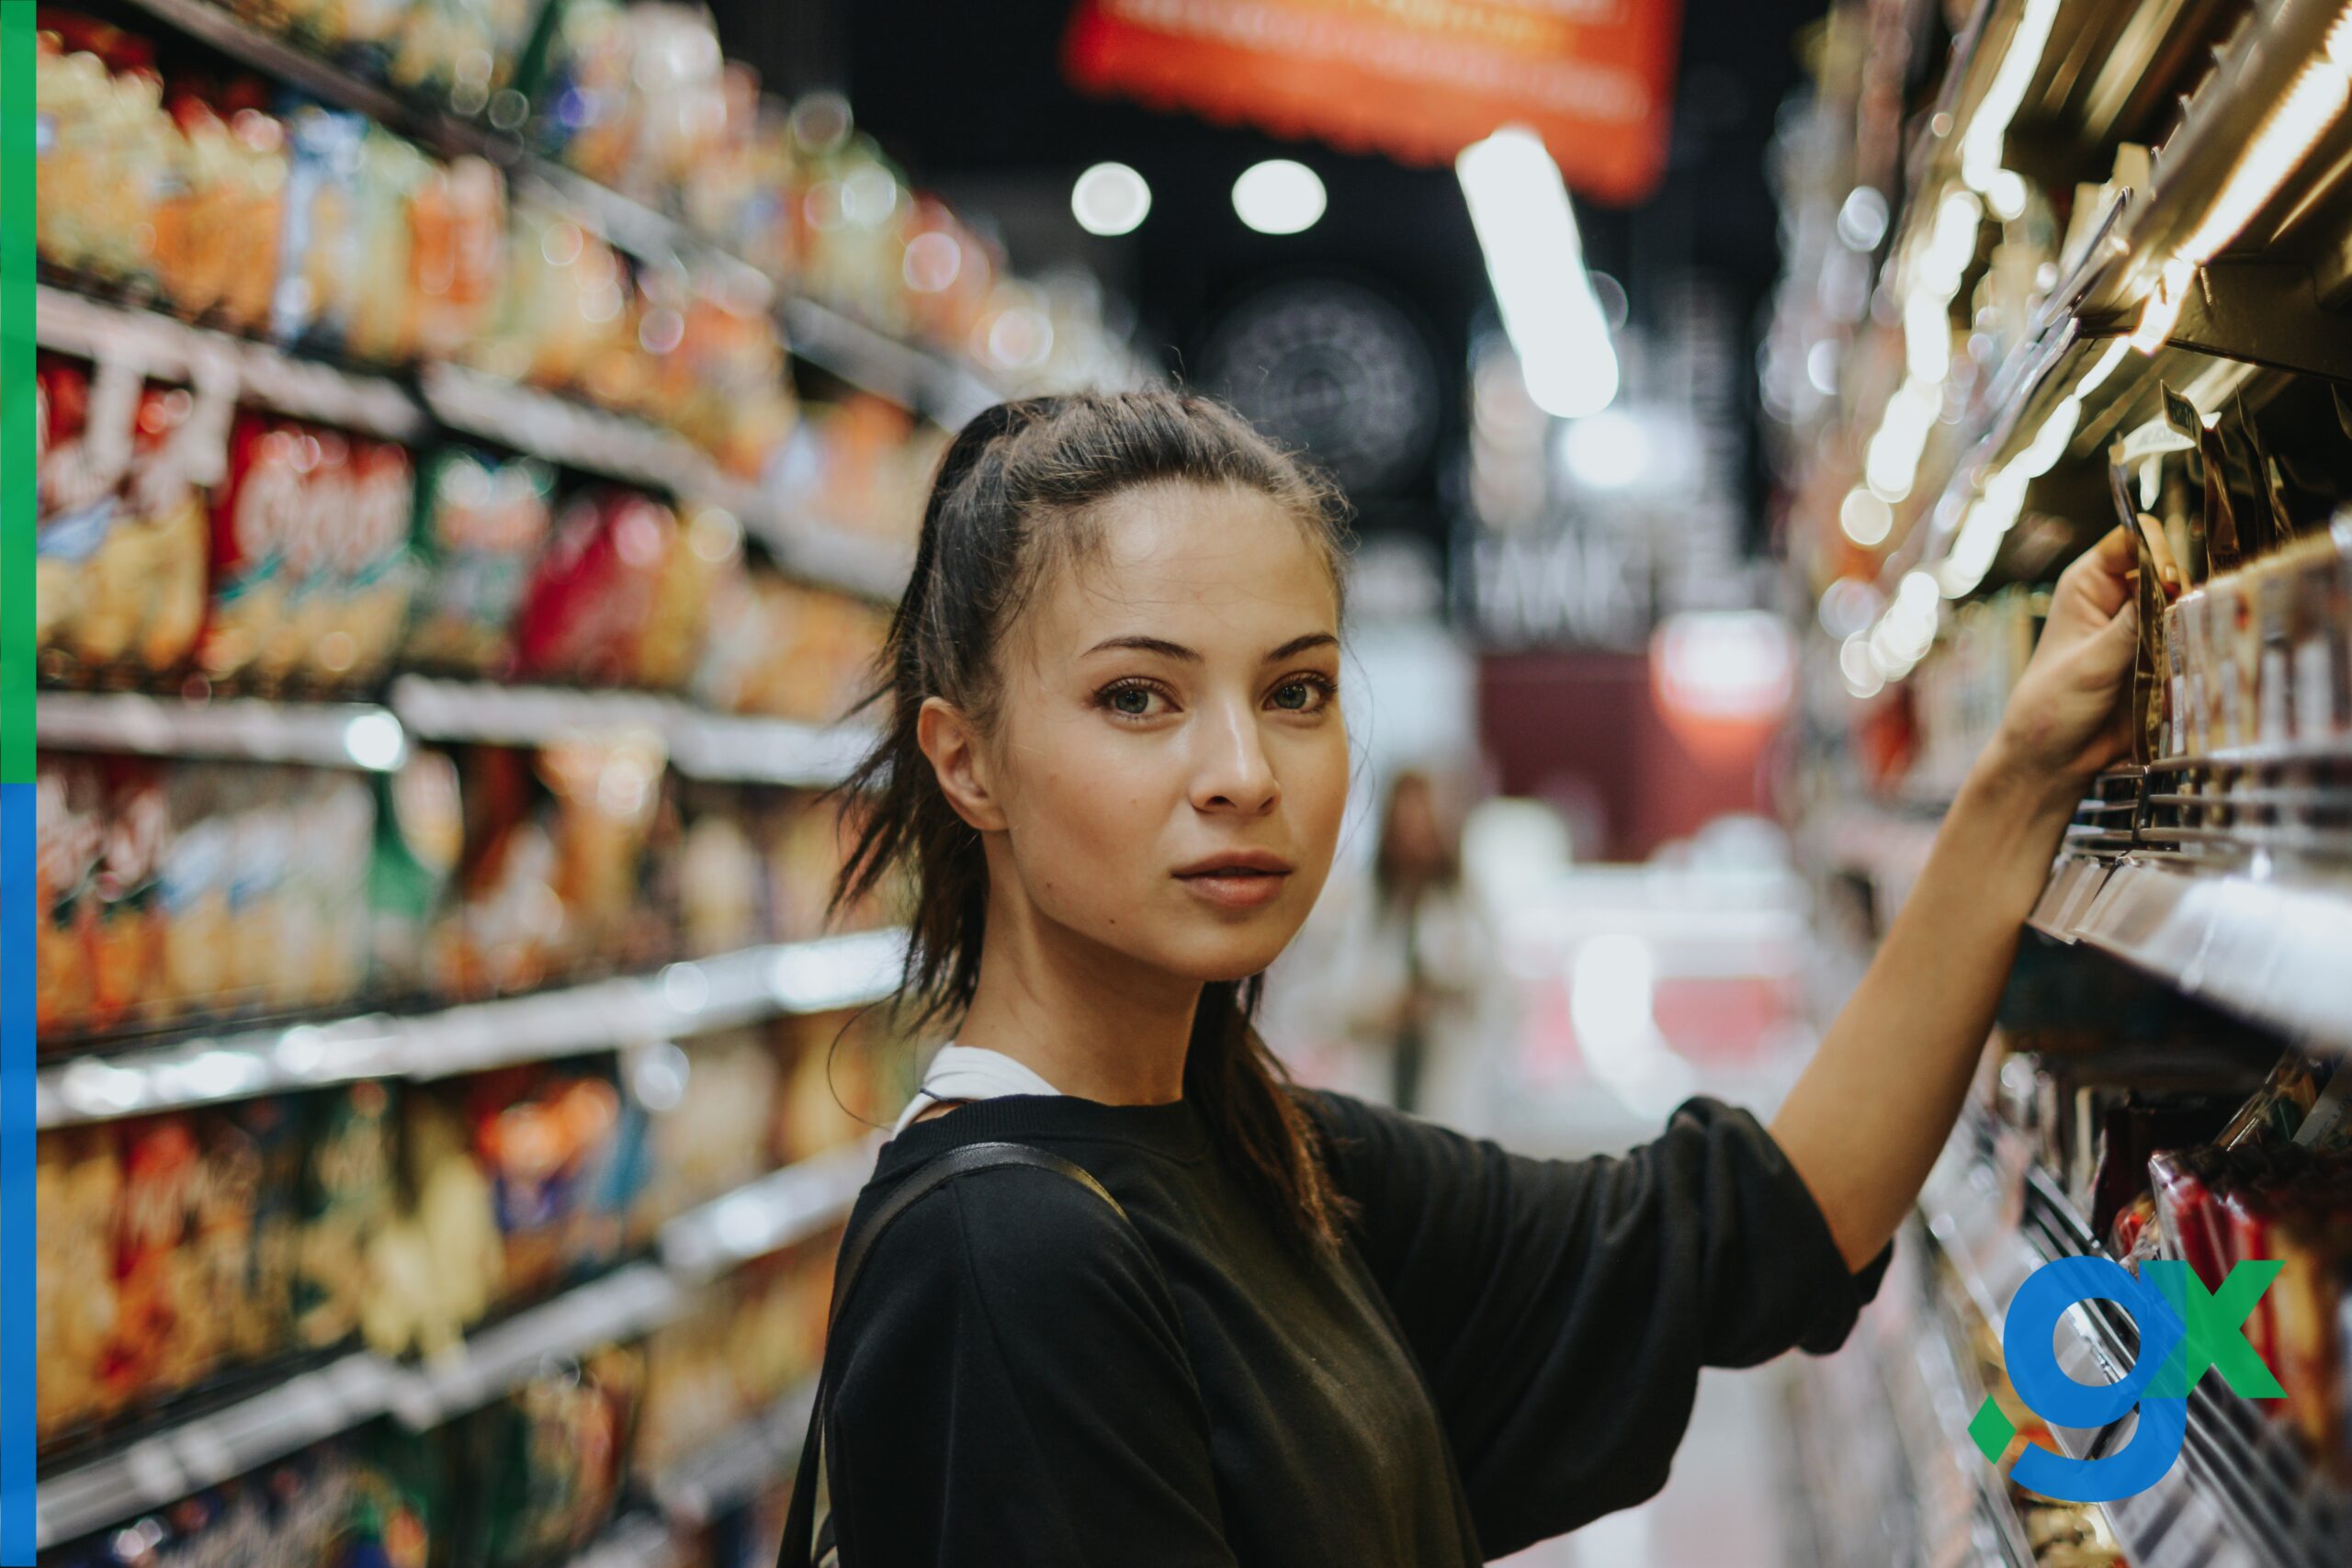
(970, 98)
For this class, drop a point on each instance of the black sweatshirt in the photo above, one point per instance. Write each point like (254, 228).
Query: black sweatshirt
(1506, 1348)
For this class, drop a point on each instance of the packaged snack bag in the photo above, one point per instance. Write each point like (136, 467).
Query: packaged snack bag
(217, 231)
(85, 423)
(318, 261)
(722, 901)
(257, 515)
(419, 836)
(480, 525)
(595, 589)
(457, 264)
(68, 840)
(106, 162)
(373, 576)
(126, 941)
(536, 1135)
(347, 1182)
(608, 798)
(276, 1130)
(76, 1196)
(438, 1266)
(166, 1333)
(197, 966)
(716, 1136)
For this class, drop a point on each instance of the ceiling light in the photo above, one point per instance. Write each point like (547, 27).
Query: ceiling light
(1279, 196)
(1527, 231)
(1110, 200)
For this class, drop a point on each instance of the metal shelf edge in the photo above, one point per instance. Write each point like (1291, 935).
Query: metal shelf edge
(689, 997)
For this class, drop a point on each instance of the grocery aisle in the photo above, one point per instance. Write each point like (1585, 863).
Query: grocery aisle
(481, 446)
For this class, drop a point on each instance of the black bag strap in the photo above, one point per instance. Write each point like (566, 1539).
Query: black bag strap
(802, 1546)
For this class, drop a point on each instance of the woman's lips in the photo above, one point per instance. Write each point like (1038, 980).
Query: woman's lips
(1235, 887)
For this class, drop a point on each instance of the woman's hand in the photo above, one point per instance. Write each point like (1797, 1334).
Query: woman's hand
(2070, 715)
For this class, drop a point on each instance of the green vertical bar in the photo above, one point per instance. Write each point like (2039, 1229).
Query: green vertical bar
(17, 480)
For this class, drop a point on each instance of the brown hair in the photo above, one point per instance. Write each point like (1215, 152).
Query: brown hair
(1012, 501)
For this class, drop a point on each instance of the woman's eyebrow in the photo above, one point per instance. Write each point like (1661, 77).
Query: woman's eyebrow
(1139, 644)
(1166, 649)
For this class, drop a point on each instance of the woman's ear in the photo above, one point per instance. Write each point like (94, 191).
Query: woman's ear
(952, 744)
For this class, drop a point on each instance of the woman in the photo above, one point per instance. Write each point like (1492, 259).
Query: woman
(1321, 1333)
(1405, 970)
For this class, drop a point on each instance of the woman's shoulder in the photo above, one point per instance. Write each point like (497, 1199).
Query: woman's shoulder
(1013, 1229)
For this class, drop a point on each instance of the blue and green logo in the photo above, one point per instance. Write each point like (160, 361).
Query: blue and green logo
(2183, 1331)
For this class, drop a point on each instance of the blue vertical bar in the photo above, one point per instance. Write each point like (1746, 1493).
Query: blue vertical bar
(19, 1366)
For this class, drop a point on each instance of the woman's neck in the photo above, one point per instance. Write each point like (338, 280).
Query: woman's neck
(1091, 1021)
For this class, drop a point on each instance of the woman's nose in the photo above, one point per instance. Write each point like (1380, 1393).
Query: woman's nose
(1231, 772)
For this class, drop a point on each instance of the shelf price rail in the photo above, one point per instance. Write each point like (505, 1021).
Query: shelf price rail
(692, 997)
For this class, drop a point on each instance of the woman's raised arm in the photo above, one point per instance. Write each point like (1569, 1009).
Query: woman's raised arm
(1864, 1122)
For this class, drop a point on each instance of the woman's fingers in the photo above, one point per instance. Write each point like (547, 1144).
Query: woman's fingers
(2090, 591)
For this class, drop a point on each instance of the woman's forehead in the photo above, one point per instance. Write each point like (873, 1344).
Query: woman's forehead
(1209, 556)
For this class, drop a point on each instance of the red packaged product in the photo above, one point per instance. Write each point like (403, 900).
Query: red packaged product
(2246, 1213)
(2188, 1214)
(255, 513)
(596, 589)
(164, 1331)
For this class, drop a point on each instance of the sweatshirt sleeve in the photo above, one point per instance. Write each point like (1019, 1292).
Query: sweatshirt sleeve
(1562, 1309)
(1014, 1387)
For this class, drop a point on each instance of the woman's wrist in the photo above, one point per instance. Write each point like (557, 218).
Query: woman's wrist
(2010, 777)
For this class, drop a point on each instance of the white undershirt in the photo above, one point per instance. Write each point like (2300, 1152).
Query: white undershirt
(970, 1072)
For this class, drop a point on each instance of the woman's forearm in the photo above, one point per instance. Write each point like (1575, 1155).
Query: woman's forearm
(1865, 1121)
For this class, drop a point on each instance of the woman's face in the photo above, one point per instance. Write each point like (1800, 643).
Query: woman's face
(1169, 761)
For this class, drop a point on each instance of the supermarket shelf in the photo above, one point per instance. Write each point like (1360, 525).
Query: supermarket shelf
(910, 377)
(523, 715)
(325, 735)
(172, 350)
(682, 999)
(312, 1405)
(716, 747)
(2255, 310)
(768, 1215)
(265, 51)
(466, 401)
(2267, 946)
(623, 1305)
(210, 1449)
(739, 1465)
(818, 334)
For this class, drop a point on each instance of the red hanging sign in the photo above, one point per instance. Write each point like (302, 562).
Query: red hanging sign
(1419, 80)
